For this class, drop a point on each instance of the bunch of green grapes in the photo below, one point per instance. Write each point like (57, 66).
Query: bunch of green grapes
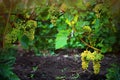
(11, 37)
(95, 57)
(53, 12)
(85, 64)
(90, 56)
(14, 33)
(29, 29)
(30, 34)
(53, 20)
(87, 29)
(97, 8)
(96, 61)
(96, 66)
(84, 55)
(85, 61)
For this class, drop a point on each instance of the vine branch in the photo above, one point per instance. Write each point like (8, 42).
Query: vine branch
(90, 45)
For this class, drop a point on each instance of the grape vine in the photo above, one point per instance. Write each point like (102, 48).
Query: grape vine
(21, 28)
(87, 24)
(53, 12)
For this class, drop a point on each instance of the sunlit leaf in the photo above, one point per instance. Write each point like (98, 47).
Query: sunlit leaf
(61, 39)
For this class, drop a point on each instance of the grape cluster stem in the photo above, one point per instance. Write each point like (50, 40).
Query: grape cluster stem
(90, 45)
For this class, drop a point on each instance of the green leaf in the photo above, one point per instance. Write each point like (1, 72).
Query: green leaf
(61, 39)
(104, 49)
(97, 25)
(13, 76)
(24, 41)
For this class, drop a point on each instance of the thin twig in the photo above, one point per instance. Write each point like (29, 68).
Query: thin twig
(7, 24)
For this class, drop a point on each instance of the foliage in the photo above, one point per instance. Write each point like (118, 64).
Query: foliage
(113, 72)
(91, 27)
(45, 31)
(86, 21)
(54, 24)
(21, 30)
(7, 59)
(16, 25)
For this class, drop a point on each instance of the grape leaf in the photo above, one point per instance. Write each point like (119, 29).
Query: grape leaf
(24, 41)
(61, 39)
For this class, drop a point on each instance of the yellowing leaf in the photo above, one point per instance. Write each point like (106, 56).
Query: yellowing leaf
(88, 4)
(73, 22)
(63, 7)
(32, 22)
(27, 16)
(68, 22)
(76, 18)
(94, 21)
(87, 29)
(98, 7)
(35, 23)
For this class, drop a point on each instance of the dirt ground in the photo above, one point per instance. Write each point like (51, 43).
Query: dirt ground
(59, 67)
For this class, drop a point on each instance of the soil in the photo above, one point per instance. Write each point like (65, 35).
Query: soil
(61, 66)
